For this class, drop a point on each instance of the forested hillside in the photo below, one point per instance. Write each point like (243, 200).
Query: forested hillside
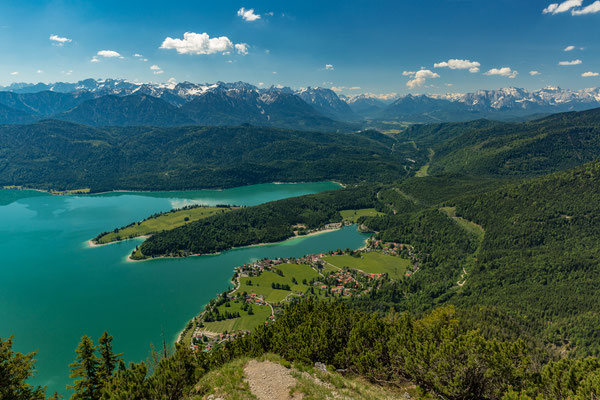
(60, 155)
(536, 263)
(551, 144)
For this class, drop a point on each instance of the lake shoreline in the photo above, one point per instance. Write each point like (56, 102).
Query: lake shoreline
(129, 259)
(64, 193)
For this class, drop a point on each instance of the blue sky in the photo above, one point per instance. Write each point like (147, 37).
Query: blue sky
(372, 46)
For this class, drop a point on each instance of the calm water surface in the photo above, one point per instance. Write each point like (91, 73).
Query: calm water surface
(54, 288)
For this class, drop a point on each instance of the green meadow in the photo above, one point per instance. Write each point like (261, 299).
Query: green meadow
(244, 322)
(162, 222)
(354, 215)
(374, 263)
(471, 227)
(262, 284)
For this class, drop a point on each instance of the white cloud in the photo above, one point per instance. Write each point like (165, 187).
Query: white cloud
(329, 67)
(261, 84)
(242, 48)
(556, 8)
(534, 73)
(589, 74)
(248, 15)
(569, 48)
(270, 13)
(69, 72)
(199, 43)
(156, 70)
(14, 73)
(574, 62)
(504, 71)
(109, 54)
(39, 71)
(138, 55)
(419, 77)
(472, 66)
(590, 9)
(95, 59)
(59, 41)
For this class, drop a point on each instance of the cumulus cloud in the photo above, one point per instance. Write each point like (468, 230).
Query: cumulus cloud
(39, 71)
(248, 15)
(14, 73)
(472, 66)
(156, 70)
(95, 59)
(590, 9)
(59, 41)
(504, 71)
(534, 73)
(573, 62)
(589, 74)
(242, 48)
(569, 48)
(557, 8)
(419, 77)
(329, 67)
(109, 54)
(201, 43)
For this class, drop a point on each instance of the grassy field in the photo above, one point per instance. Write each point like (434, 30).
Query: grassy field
(372, 262)
(163, 222)
(262, 284)
(245, 322)
(354, 215)
(471, 227)
(424, 170)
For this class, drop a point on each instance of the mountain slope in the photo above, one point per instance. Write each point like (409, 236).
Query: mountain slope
(540, 256)
(327, 102)
(10, 115)
(268, 108)
(43, 104)
(55, 154)
(551, 144)
(126, 111)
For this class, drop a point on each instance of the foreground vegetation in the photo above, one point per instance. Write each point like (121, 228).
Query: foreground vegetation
(438, 353)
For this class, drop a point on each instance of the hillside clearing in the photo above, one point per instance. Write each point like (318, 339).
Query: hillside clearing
(372, 263)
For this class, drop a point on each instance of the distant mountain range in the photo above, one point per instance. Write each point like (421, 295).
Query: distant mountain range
(124, 103)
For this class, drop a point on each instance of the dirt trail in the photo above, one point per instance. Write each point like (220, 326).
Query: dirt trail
(270, 381)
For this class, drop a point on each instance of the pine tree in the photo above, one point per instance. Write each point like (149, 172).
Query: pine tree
(108, 358)
(15, 368)
(85, 369)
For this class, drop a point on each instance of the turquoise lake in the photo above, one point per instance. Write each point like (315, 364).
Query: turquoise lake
(54, 288)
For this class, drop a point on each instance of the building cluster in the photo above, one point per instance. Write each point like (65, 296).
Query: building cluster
(202, 341)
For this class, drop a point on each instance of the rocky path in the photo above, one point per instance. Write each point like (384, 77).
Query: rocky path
(270, 381)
